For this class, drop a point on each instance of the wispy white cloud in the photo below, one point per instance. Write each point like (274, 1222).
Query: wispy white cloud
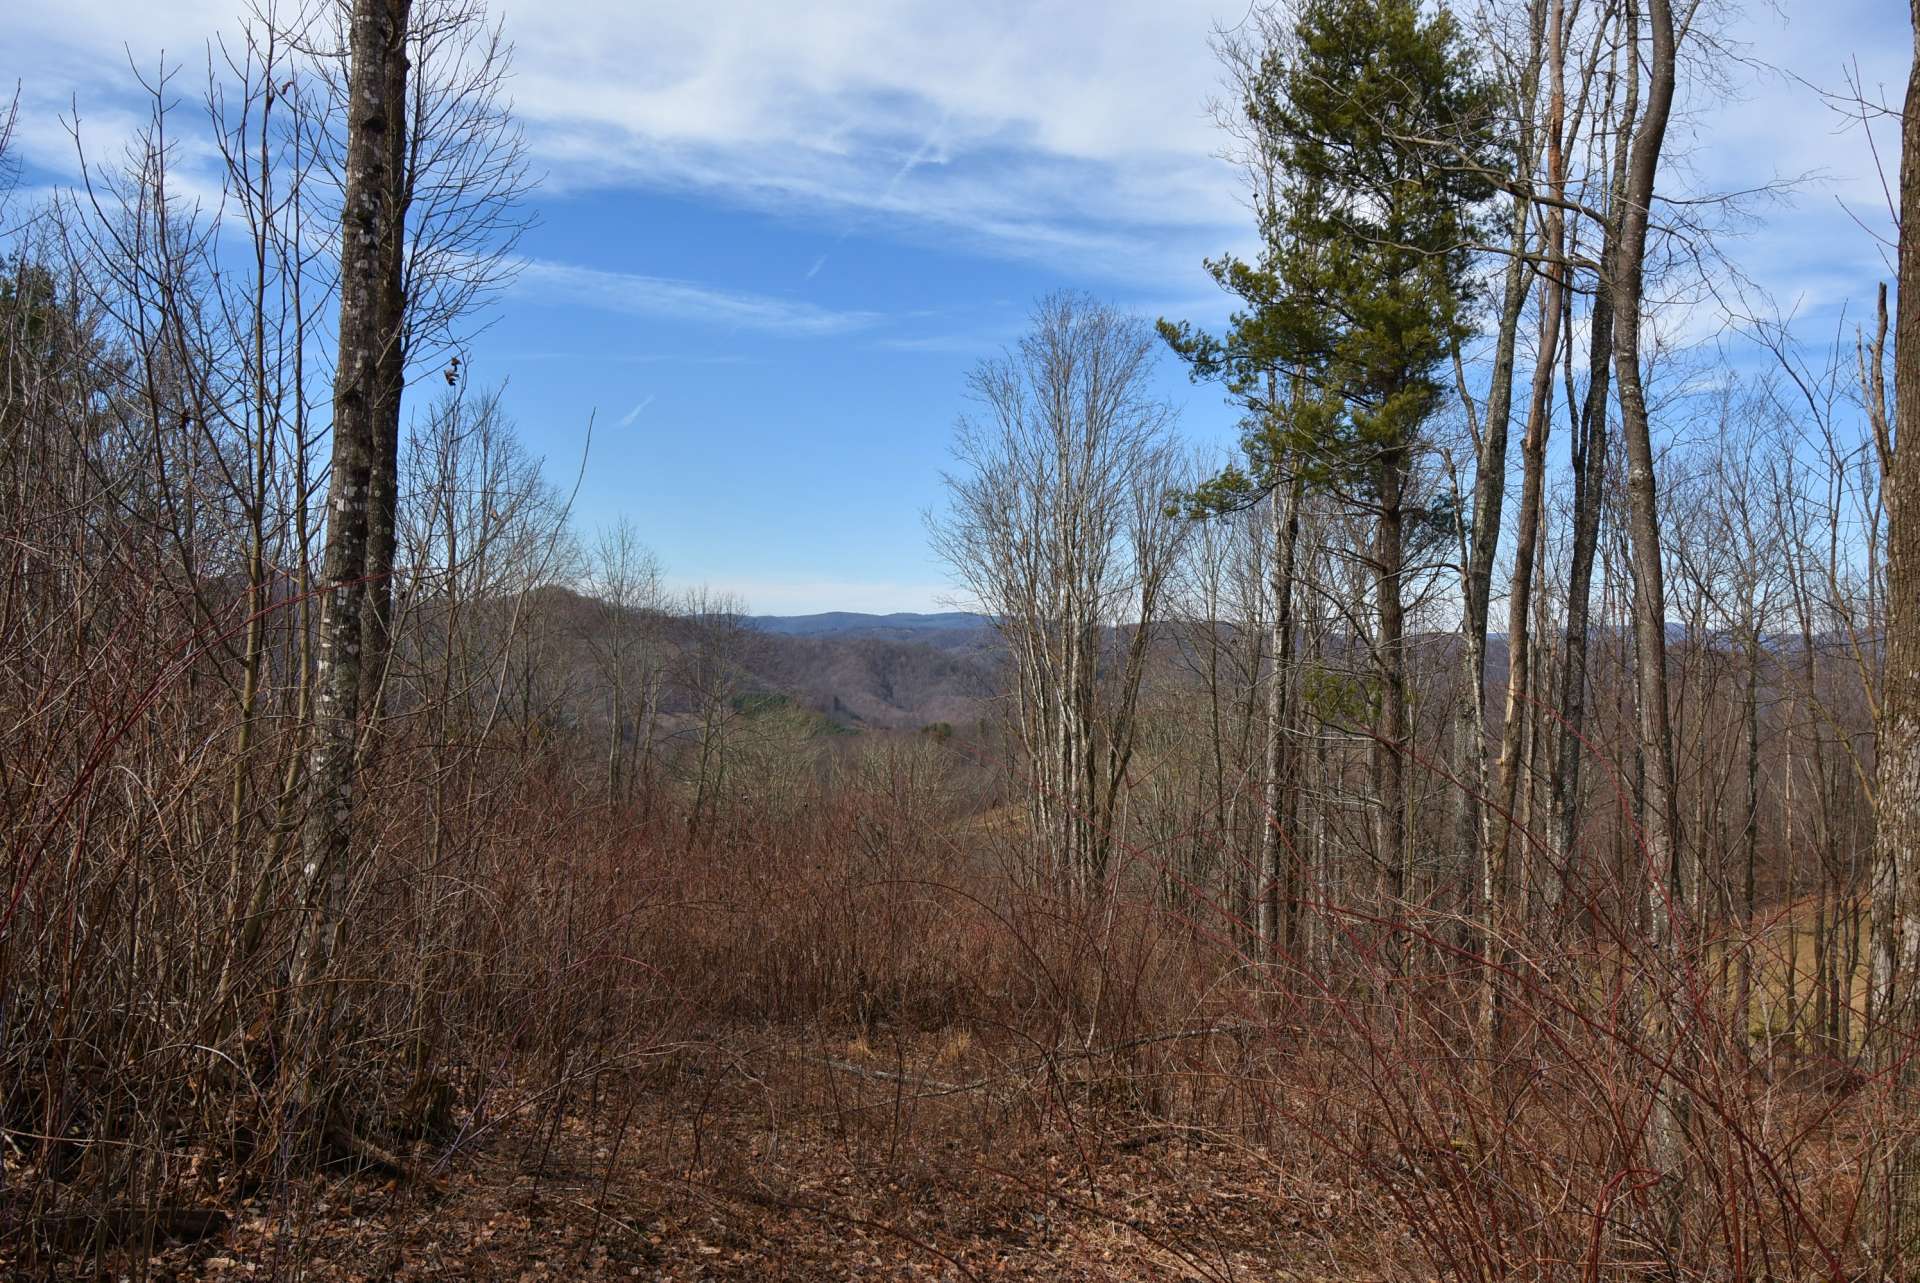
(626, 420)
(964, 344)
(921, 156)
(658, 296)
(1073, 135)
(984, 332)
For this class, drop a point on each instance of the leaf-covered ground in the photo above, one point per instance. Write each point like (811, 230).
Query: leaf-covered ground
(807, 1162)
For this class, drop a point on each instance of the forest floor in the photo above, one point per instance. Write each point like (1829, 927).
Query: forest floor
(774, 1157)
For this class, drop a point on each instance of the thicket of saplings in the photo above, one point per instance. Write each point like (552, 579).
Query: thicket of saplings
(1239, 872)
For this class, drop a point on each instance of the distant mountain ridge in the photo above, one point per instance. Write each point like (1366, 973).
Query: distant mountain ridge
(901, 625)
(862, 671)
(899, 670)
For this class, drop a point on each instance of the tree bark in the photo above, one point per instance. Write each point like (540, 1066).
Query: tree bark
(383, 483)
(367, 330)
(1520, 596)
(1280, 863)
(1897, 804)
(1489, 495)
(1587, 455)
(1658, 816)
(1390, 662)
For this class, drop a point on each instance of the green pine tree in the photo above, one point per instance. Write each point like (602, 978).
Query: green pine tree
(1381, 128)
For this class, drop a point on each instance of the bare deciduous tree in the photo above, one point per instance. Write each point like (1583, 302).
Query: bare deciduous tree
(370, 324)
(625, 581)
(1062, 528)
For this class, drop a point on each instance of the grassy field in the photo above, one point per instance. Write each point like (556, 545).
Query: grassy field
(1794, 947)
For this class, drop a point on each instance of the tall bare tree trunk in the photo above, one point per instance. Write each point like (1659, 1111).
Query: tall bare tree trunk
(1587, 454)
(1280, 863)
(383, 484)
(259, 477)
(1649, 614)
(1750, 836)
(1658, 816)
(1896, 882)
(1489, 492)
(1390, 662)
(368, 328)
(1489, 495)
(1526, 549)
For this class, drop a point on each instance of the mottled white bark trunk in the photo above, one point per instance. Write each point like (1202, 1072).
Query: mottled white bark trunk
(367, 327)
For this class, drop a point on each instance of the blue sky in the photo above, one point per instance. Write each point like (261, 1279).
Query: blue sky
(774, 237)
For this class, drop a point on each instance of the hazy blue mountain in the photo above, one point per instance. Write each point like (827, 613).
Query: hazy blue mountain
(902, 626)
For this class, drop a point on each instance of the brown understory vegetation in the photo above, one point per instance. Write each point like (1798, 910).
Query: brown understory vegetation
(842, 1038)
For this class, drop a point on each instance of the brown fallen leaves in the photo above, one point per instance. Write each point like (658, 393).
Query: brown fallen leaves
(766, 1164)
